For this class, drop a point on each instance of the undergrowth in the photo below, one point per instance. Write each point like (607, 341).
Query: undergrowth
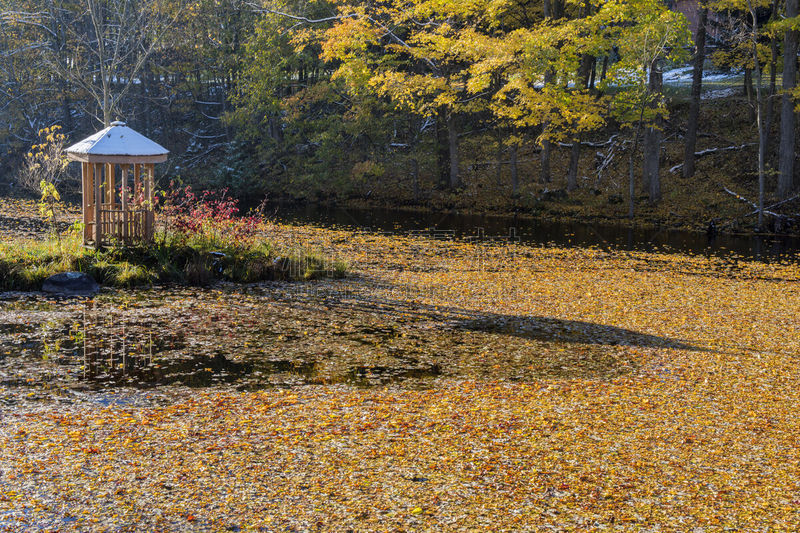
(25, 264)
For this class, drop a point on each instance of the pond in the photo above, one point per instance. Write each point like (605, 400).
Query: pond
(530, 231)
(358, 331)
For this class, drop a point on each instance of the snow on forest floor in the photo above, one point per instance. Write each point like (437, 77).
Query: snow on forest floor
(683, 75)
(716, 85)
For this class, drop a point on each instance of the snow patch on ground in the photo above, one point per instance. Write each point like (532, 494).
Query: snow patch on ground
(682, 75)
(678, 75)
(719, 93)
(722, 76)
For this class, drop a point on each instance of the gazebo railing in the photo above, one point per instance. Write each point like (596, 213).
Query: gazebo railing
(133, 225)
(127, 226)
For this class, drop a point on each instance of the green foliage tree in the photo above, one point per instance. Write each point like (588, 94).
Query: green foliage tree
(416, 56)
(647, 33)
(308, 132)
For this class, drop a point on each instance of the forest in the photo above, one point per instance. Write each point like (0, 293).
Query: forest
(175, 361)
(582, 109)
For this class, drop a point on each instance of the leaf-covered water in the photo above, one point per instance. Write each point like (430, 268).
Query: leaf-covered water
(442, 386)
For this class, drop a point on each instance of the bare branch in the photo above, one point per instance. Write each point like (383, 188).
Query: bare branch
(258, 9)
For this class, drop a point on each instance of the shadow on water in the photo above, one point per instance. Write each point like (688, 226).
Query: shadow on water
(526, 230)
(531, 327)
(570, 331)
(258, 337)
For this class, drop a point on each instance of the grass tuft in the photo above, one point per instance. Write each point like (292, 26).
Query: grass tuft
(25, 264)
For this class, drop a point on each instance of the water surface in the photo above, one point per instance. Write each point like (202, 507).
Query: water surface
(526, 230)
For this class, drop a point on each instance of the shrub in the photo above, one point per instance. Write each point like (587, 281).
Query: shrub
(45, 162)
(207, 220)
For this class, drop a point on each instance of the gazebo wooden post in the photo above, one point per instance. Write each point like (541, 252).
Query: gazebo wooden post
(84, 205)
(123, 192)
(148, 195)
(137, 184)
(111, 194)
(89, 200)
(98, 205)
(137, 191)
(111, 197)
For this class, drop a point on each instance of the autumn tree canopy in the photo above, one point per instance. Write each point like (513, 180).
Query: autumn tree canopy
(420, 100)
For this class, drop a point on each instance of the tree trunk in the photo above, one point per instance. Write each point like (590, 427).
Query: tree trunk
(549, 8)
(56, 30)
(770, 98)
(148, 88)
(773, 71)
(415, 178)
(585, 71)
(66, 107)
(748, 91)
(442, 150)
(499, 176)
(690, 141)
(574, 158)
(652, 139)
(558, 8)
(452, 143)
(632, 175)
(545, 177)
(512, 149)
(786, 154)
(275, 128)
(223, 104)
(106, 104)
(762, 151)
(762, 145)
(545, 155)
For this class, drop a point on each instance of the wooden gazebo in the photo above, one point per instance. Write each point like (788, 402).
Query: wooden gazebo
(117, 206)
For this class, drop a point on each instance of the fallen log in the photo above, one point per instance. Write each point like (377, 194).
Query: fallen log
(751, 213)
(753, 204)
(709, 151)
(591, 144)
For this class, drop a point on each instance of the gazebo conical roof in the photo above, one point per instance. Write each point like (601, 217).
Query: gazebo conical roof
(117, 144)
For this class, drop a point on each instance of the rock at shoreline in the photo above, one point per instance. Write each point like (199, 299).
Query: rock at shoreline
(71, 284)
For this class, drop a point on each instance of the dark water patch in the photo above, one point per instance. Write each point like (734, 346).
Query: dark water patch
(488, 228)
(190, 371)
(369, 376)
(253, 339)
(14, 329)
(302, 368)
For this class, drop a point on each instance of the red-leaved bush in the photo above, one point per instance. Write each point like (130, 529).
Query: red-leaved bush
(209, 215)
